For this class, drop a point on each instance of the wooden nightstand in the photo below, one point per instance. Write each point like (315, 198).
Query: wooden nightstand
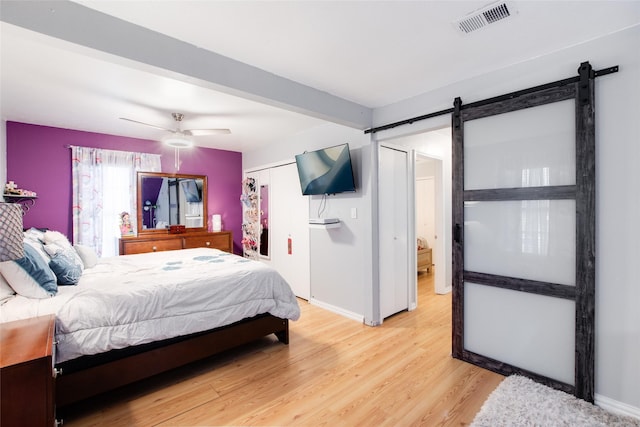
(26, 372)
(424, 259)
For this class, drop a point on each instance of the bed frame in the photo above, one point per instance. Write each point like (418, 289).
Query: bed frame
(91, 375)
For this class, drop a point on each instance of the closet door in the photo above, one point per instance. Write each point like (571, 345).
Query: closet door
(524, 235)
(394, 229)
(289, 229)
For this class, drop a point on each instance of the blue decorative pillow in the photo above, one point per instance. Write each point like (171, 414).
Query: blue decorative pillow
(55, 241)
(30, 276)
(65, 263)
(65, 268)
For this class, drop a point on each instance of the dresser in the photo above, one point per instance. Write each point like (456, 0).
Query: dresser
(222, 240)
(26, 372)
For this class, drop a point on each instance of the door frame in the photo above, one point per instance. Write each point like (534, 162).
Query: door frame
(432, 126)
(412, 283)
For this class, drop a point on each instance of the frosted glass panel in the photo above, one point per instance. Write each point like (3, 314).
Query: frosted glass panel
(529, 239)
(529, 331)
(525, 148)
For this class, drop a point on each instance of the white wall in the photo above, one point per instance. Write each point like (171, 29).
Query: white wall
(425, 169)
(618, 178)
(340, 258)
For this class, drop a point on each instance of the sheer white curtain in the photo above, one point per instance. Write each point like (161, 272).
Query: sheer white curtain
(104, 186)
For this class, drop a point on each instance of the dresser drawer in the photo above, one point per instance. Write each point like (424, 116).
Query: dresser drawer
(220, 241)
(152, 246)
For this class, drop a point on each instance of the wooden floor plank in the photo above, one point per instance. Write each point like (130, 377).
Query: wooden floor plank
(335, 371)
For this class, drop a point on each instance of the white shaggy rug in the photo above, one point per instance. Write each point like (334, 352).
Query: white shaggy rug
(519, 401)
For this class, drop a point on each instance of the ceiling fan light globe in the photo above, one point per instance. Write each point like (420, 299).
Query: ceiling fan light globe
(178, 141)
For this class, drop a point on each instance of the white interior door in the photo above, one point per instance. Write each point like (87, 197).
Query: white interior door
(394, 264)
(289, 229)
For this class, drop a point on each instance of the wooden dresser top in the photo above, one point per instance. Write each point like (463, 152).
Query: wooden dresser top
(25, 340)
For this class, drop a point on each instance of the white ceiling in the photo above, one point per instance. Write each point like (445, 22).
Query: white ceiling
(372, 53)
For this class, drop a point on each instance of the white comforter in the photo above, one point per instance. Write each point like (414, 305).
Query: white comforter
(136, 299)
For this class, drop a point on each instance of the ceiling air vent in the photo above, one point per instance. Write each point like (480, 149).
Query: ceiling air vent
(481, 18)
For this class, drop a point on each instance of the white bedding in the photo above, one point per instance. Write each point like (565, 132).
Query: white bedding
(135, 299)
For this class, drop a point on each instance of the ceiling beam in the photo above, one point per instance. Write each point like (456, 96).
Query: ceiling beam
(137, 46)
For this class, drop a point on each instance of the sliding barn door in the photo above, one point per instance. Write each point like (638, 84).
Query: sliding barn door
(524, 227)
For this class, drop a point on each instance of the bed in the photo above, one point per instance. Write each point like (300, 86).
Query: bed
(134, 316)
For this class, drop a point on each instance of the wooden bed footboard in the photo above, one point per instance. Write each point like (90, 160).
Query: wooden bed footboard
(75, 385)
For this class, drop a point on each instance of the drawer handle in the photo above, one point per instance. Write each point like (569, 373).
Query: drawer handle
(208, 243)
(155, 248)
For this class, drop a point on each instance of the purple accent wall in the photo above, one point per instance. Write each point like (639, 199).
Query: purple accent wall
(38, 160)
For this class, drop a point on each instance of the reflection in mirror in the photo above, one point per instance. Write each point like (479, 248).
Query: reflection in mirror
(264, 220)
(169, 199)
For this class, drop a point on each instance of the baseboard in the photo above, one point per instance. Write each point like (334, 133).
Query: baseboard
(337, 310)
(616, 407)
(445, 291)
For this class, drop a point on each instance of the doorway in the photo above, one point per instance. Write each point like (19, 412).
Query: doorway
(430, 220)
(434, 147)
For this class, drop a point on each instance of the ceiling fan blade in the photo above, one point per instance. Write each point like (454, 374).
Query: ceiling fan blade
(202, 132)
(147, 124)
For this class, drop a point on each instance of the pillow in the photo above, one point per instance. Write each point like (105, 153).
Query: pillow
(35, 238)
(6, 291)
(65, 268)
(61, 240)
(34, 234)
(30, 276)
(422, 243)
(65, 263)
(87, 255)
(51, 236)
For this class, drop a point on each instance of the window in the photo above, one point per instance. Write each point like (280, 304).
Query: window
(104, 186)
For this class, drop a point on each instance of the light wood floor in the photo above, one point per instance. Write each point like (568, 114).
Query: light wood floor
(335, 372)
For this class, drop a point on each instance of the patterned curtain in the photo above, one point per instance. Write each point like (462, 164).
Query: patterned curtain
(104, 187)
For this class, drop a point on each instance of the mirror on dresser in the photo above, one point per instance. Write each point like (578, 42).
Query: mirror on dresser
(171, 199)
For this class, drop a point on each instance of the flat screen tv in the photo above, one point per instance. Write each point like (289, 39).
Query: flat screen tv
(191, 191)
(326, 171)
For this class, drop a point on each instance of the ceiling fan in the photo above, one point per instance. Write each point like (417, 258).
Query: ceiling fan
(179, 138)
